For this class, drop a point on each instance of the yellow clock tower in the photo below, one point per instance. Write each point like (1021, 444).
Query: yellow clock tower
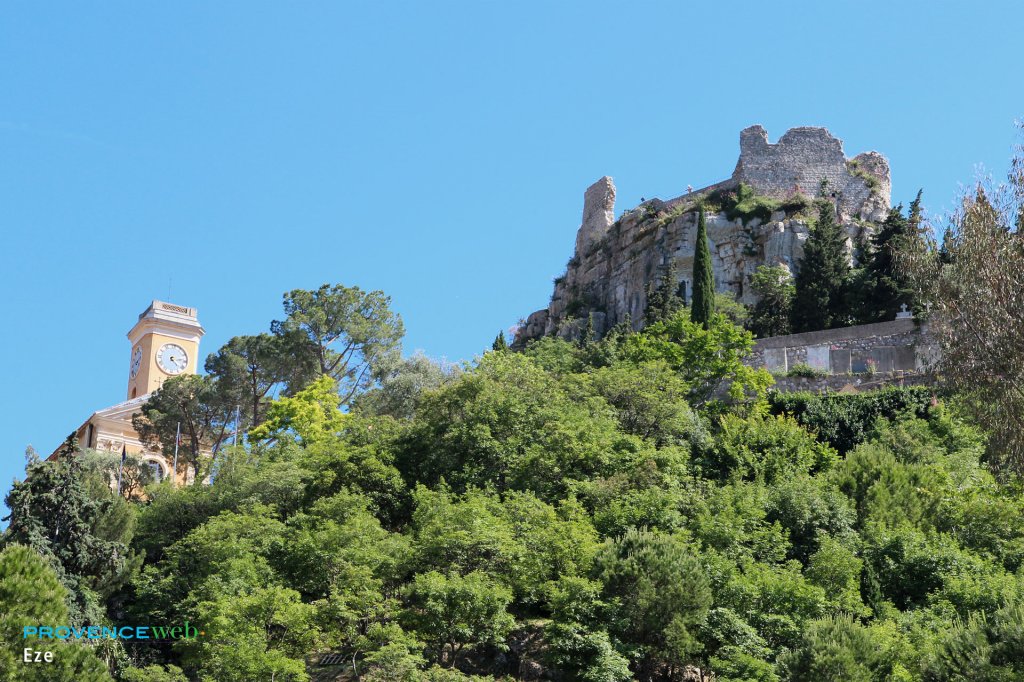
(164, 343)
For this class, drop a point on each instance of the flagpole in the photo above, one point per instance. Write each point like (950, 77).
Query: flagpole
(177, 440)
(120, 468)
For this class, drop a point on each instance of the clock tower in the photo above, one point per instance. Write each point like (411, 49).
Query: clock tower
(164, 343)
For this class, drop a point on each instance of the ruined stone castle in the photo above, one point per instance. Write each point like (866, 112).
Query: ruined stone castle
(607, 277)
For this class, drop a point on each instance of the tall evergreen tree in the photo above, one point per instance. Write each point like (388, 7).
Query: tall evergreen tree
(703, 276)
(822, 281)
(886, 288)
(666, 299)
(53, 513)
(499, 342)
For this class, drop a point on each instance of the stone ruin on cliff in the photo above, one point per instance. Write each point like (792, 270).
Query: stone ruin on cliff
(614, 260)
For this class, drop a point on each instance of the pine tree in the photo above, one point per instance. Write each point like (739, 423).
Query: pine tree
(31, 594)
(822, 281)
(885, 288)
(500, 343)
(665, 300)
(703, 276)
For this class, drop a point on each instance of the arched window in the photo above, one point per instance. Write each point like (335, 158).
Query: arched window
(156, 469)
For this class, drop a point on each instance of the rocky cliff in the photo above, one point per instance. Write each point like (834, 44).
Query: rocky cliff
(761, 215)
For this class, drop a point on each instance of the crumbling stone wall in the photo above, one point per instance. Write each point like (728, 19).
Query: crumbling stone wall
(802, 158)
(615, 260)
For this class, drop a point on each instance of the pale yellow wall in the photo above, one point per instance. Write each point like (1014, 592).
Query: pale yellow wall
(123, 435)
(150, 375)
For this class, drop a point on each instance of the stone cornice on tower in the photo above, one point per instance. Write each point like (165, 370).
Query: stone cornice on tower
(171, 319)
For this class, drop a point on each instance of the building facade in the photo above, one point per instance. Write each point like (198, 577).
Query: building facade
(164, 342)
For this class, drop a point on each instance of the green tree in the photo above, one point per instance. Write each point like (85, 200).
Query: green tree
(451, 612)
(774, 308)
(703, 301)
(734, 311)
(499, 342)
(650, 400)
(985, 648)
(193, 402)
(664, 300)
(53, 512)
(154, 673)
(971, 285)
(886, 287)
(506, 424)
(226, 556)
(259, 635)
(403, 384)
(247, 371)
(659, 593)
(770, 449)
(312, 415)
(578, 647)
(338, 331)
(101, 467)
(836, 649)
(31, 595)
(706, 357)
(821, 296)
(519, 540)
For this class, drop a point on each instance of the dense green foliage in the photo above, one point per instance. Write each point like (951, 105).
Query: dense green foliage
(846, 420)
(636, 507)
(30, 593)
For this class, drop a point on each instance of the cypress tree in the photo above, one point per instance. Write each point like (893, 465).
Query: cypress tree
(822, 282)
(703, 276)
(499, 342)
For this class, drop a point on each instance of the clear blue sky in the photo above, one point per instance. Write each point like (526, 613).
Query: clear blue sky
(229, 151)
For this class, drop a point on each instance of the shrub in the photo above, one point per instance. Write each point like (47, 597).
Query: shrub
(744, 204)
(870, 180)
(846, 420)
(802, 369)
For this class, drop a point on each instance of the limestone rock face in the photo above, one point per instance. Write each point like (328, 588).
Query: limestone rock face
(615, 260)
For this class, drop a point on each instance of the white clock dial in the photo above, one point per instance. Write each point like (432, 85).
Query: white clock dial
(136, 361)
(172, 358)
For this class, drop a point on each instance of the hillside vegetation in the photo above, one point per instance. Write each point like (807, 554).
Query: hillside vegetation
(593, 512)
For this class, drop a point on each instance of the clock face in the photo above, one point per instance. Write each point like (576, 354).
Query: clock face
(136, 361)
(172, 358)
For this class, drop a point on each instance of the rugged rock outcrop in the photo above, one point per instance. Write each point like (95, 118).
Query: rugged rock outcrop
(607, 278)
